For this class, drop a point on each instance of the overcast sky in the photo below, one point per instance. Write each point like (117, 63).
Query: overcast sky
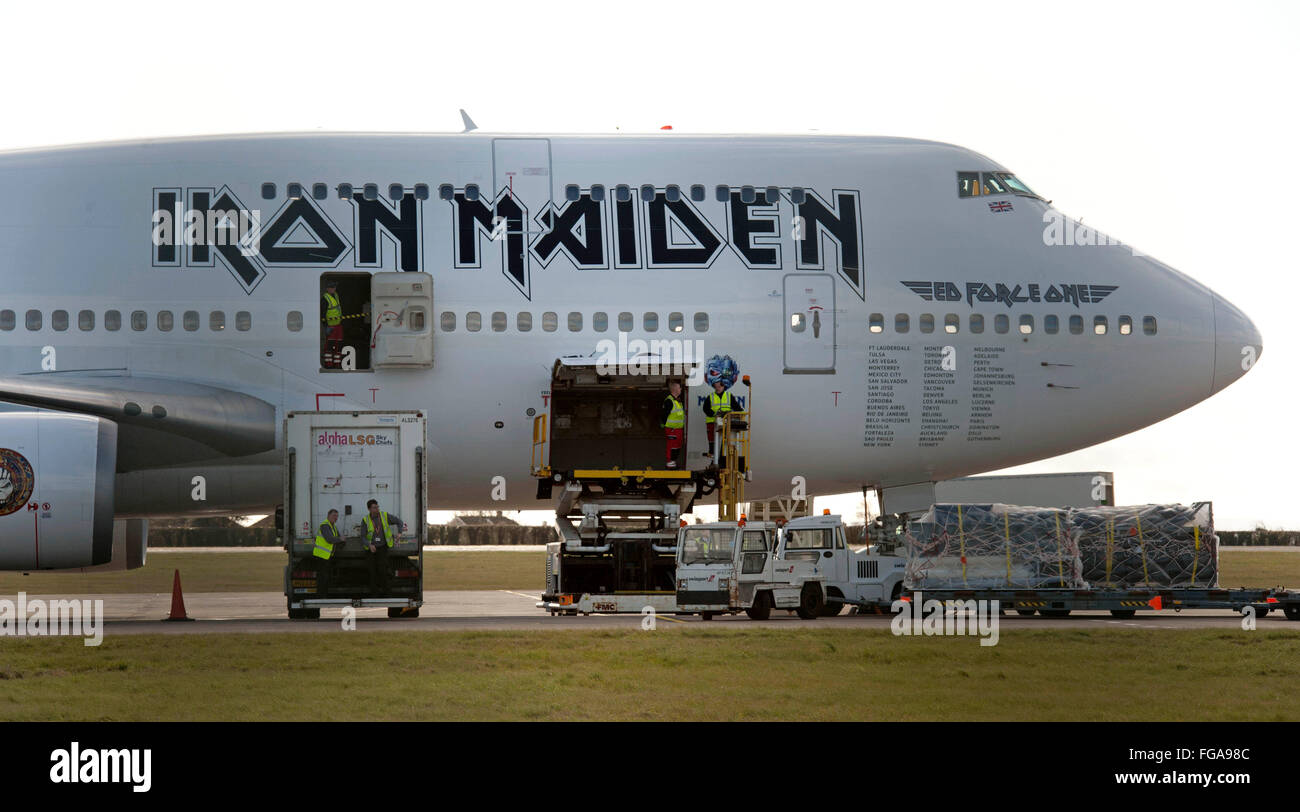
(1172, 127)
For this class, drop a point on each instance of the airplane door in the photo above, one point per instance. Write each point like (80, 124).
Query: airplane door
(809, 341)
(523, 165)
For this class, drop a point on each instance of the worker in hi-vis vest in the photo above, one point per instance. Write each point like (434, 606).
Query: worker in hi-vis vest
(332, 317)
(673, 418)
(327, 541)
(717, 404)
(379, 530)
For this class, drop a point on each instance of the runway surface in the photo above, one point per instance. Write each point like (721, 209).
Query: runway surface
(506, 610)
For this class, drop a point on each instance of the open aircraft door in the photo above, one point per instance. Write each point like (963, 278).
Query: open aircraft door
(402, 330)
(809, 331)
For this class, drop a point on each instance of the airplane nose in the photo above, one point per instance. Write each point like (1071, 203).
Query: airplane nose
(1237, 343)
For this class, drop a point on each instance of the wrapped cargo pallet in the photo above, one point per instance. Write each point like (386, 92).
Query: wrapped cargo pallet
(1147, 545)
(992, 547)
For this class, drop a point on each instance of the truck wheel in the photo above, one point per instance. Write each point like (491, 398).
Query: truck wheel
(706, 616)
(810, 602)
(1123, 614)
(762, 608)
(1026, 612)
(1054, 612)
(832, 608)
(1292, 611)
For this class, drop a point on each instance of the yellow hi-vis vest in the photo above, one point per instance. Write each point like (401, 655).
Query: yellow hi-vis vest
(333, 310)
(721, 405)
(324, 549)
(370, 528)
(677, 417)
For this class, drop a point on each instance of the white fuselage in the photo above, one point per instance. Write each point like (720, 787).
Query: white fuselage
(845, 407)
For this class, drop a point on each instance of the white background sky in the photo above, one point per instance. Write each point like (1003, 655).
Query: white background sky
(1171, 126)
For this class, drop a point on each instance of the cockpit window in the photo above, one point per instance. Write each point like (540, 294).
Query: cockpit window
(975, 184)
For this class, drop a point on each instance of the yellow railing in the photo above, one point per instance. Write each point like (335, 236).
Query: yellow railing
(539, 446)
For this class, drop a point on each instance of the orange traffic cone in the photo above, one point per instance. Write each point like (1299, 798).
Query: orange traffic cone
(178, 600)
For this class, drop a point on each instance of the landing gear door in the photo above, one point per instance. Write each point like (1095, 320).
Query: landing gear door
(809, 331)
(402, 313)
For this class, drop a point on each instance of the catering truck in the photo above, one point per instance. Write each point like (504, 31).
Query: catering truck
(340, 461)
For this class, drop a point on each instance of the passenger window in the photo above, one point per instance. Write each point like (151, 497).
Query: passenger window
(86, 320)
(293, 321)
(1026, 324)
(165, 321)
(647, 193)
(498, 321)
(294, 191)
(599, 322)
(927, 323)
(798, 196)
(968, 184)
(1051, 325)
(697, 193)
(473, 321)
(597, 192)
(448, 322)
(1125, 325)
(951, 323)
(524, 322)
(1001, 323)
(1099, 325)
(772, 196)
(190, 320)
(345, 191)
(747, 194)
(976, 323)
(320, 191)
(900, 323)
(722, 193)
(798, 323)
(575, 322)
(217, 321)
(139, 320)
(112, 320)
(471, 191)
(33, 320)
(701, 322)
(571, 192)
(876, 323)
(625, 322)
(396, 191)
(672, 193)
(1076, 325)
(676, 323)
(7, 320)
(1149, 325)
(446, 192)
(650, 322)
(370, 191)
(550, 321)
(59, 320)
(243, 321)
(268, 191)
(623, 192)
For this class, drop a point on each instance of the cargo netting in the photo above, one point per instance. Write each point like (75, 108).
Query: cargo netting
(995, 546)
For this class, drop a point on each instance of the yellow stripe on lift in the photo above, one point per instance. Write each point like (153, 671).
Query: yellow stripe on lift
(617, 473)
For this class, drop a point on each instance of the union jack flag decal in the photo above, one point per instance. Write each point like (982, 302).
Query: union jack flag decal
(1000, 205)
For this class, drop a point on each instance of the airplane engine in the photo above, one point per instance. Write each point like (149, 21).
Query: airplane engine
(56, 492)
